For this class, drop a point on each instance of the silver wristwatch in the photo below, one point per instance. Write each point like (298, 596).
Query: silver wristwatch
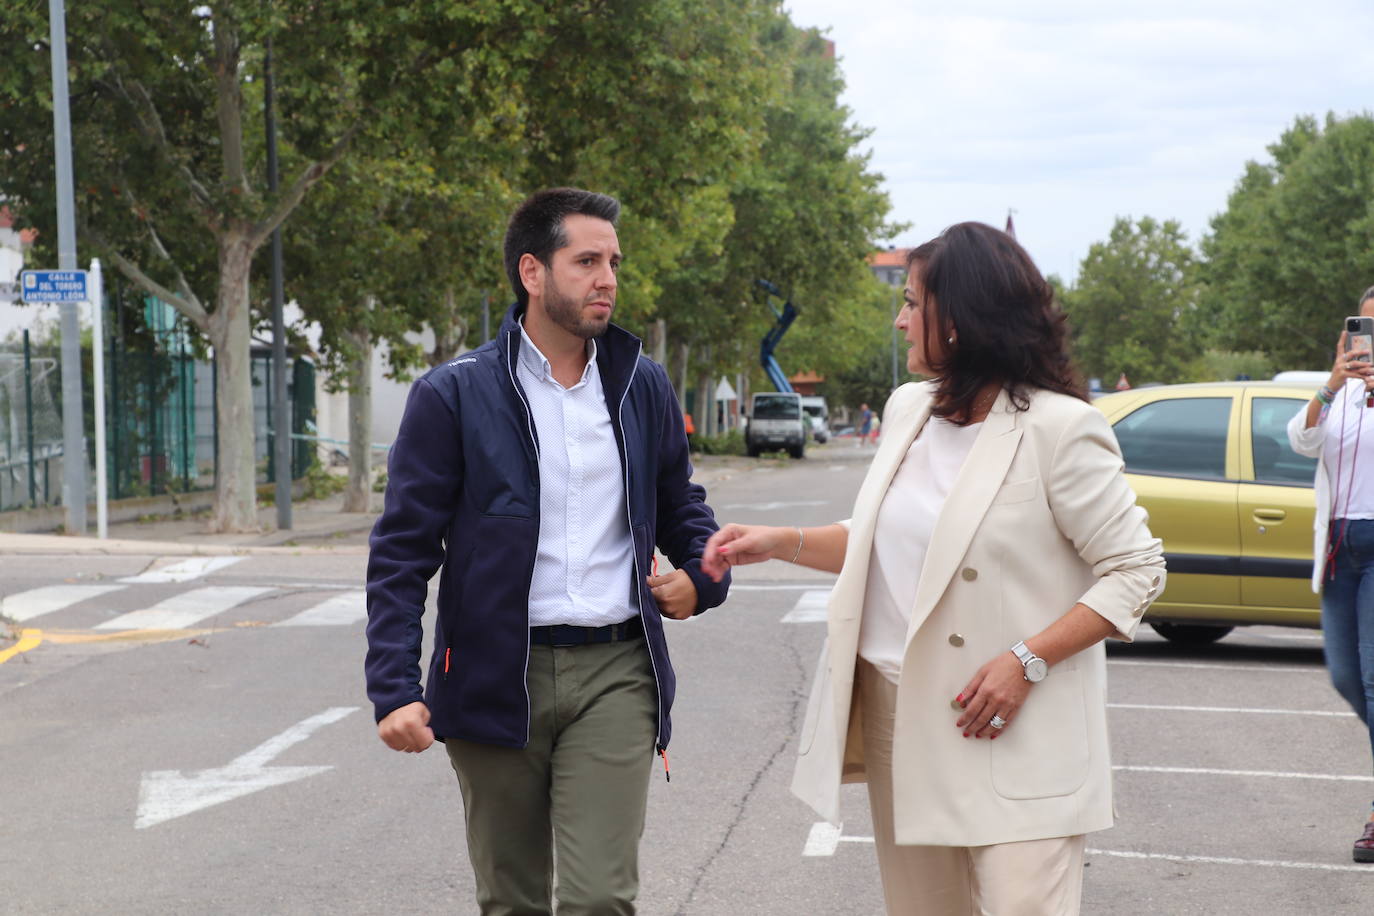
(1035, 666)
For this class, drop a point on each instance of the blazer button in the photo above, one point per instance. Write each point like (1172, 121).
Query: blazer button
(956, 640)
(1137, 612)
(969, 574)
(954, 704)
(1155, 582)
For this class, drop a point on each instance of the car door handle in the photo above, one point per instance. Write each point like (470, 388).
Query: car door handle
(1270, 515)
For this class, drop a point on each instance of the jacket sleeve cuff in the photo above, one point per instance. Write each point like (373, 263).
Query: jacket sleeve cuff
(709, 594)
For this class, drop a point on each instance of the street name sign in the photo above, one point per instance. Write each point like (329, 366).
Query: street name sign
(53, 286)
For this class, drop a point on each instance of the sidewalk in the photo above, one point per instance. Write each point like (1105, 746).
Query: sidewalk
(318, 526)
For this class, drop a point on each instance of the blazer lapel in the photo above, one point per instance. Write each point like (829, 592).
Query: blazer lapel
(974, 489)
(899, 431)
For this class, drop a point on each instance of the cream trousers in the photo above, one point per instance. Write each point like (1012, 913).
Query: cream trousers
(1033, 878)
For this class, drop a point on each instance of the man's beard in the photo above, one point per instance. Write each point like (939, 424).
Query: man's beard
(567, 314)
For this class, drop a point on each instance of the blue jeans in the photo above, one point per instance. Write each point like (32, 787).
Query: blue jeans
(1348, 617)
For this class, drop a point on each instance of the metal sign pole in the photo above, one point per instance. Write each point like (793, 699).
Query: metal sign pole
(73, 438)
(97, 292)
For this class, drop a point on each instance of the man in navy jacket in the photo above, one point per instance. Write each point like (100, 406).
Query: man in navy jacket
(537, 474)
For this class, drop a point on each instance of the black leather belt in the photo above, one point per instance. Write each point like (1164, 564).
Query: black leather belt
(562, 635)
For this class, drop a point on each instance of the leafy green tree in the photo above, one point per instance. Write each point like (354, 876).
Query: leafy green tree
(168, 141)
(802, 214)
(1133, 307)
(1295, 246)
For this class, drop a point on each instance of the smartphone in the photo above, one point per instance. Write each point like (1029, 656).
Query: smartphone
(1360, 335)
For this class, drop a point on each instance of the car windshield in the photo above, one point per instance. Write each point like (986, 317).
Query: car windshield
(814, 410)
(775, 409)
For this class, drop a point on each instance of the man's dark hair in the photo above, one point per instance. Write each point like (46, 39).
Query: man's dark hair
(536, 227)
(989, 295)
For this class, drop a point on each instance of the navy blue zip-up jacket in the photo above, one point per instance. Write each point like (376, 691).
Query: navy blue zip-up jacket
(463, 494)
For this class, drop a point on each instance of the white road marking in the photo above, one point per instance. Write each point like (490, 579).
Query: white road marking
(1311, 637)
(1228, 860)
(38, 601)
(799, 586)
(1275, 774)
(1214, 666)
(340, 610)
(810, 607)
(824, 838)
(182, 570)
(165, 794)
(1233, 710)
(766, 507)
(184, 610)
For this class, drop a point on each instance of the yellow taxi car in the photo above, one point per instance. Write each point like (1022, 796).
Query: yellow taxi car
(1231, 501)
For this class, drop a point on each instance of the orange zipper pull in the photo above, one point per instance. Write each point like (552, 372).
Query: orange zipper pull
(446, 654)
(666, 775)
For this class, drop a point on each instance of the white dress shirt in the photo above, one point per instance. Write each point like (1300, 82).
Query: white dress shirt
(584, 567)
(901, 539)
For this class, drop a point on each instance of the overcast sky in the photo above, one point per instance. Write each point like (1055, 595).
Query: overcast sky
(1074, 112)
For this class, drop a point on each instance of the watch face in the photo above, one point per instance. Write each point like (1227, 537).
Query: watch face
(1036, 669)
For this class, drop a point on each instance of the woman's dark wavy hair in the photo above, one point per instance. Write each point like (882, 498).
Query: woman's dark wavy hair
(989, 295)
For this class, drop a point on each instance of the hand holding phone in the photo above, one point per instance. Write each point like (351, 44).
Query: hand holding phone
(1359, 353)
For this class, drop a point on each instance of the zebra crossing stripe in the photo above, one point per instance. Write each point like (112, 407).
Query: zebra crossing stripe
(184, 610)
(810, 607)
(39, 601)
(182, 570)
(339, 610)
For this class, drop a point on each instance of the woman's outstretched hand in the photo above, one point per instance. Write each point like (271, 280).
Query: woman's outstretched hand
(739, 545)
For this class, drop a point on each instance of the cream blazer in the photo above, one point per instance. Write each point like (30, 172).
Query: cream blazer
(1039, 518)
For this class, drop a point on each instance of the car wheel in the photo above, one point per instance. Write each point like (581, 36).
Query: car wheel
(1190, 634)
(798, 451)
(753, 452)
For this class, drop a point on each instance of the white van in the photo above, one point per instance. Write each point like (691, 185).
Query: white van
(776, 422)
(818, 415)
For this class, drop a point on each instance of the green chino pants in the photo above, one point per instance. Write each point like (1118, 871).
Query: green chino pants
(576, 795)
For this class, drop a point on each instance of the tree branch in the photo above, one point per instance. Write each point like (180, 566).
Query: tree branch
(186, 293)
(310, 175)
(191, 309)
(149, 123)
(229, 102)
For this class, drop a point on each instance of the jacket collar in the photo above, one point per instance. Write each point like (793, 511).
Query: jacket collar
(616, 351)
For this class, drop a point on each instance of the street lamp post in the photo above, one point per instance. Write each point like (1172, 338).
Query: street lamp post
(73, 434)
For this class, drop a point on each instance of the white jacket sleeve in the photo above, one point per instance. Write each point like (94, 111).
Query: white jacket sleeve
(1307, 441)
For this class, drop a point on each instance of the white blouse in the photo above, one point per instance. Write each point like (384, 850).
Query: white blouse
(901, 538)
(1349, 429)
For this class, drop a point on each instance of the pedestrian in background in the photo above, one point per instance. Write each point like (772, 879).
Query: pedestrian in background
(539, 471)
(1337, 428)
(994, 545)
(865, 423)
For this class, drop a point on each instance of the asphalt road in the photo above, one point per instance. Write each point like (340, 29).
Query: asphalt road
(155, 763)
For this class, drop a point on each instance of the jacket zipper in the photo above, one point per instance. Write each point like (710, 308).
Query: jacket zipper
(529, 582)
(639, 596)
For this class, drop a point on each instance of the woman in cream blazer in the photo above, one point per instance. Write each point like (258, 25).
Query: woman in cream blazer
(1034, 541)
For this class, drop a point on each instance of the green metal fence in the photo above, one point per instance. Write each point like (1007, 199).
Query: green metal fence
(160, 396)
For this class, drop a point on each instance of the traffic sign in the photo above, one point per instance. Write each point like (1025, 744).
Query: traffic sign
(53, 286)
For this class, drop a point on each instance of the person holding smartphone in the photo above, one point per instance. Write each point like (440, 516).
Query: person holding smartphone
(1337, 428)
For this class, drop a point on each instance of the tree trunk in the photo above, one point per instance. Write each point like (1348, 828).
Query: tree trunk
(358, 495)
(684, 352)
(451, 334)
(658, 341)
(230, 335)
(706, 420)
